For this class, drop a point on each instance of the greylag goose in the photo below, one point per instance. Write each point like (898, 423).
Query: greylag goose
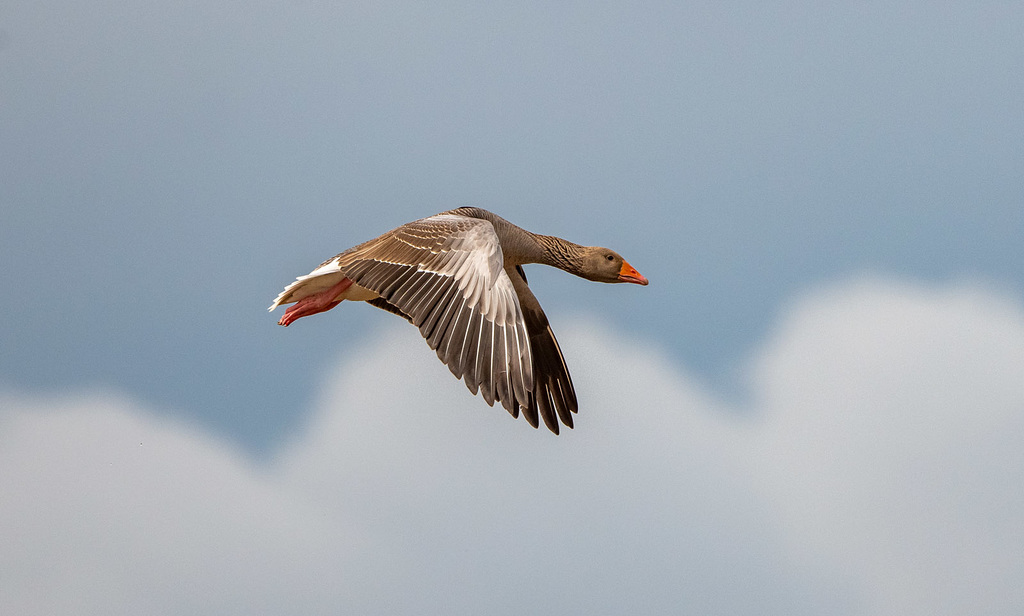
(458, 277)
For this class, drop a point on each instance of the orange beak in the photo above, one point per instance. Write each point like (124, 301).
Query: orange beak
(629, 274)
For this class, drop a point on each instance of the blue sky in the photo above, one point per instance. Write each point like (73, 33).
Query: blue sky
(795, 179)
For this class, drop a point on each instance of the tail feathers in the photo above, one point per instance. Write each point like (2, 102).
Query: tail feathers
(320, 279)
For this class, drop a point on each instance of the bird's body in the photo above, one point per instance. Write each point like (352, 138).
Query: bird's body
(458, 277)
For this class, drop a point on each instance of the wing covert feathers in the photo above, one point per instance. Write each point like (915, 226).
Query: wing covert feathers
(445, 275)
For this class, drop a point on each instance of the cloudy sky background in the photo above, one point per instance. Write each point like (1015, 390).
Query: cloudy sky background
(816, 406)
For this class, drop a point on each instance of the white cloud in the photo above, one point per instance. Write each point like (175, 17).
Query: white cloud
(109, 510)
(889, 415)
(876, 470)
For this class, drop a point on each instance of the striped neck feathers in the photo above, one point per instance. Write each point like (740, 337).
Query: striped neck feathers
(560, 253)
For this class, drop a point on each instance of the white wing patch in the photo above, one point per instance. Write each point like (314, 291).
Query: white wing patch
(478, 264)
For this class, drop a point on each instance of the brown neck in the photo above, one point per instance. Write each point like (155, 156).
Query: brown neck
(521, 246)
(560, 253)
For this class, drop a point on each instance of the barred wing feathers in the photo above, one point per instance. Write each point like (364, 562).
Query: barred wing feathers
(445, 275)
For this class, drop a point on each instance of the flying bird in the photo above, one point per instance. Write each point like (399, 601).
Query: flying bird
(458, 277)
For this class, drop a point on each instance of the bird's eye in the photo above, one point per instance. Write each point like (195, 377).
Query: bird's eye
(609, 257)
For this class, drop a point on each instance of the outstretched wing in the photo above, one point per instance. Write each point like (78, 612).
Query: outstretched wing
(445, 275)
(553, 396)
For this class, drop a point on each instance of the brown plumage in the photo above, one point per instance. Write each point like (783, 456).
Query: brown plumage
(458, 277)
